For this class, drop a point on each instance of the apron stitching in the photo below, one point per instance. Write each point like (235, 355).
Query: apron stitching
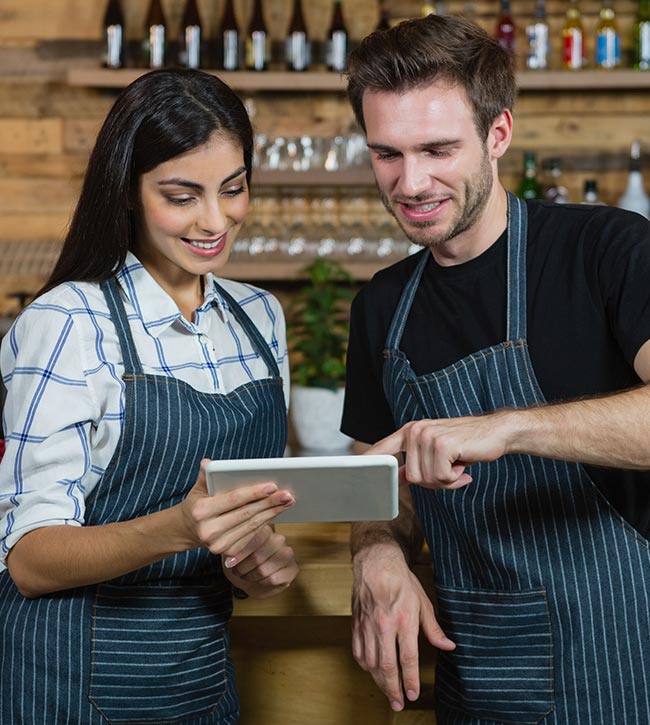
(468, 363)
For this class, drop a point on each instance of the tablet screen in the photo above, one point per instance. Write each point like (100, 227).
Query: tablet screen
(326, 488)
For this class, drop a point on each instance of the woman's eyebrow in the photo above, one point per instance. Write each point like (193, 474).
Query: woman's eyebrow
(178, 181)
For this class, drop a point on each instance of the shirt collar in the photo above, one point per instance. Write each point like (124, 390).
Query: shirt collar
(153, 305)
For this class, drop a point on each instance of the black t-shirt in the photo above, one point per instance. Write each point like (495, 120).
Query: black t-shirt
(588, 303)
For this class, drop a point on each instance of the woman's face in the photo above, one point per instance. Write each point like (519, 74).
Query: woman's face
(191, 208)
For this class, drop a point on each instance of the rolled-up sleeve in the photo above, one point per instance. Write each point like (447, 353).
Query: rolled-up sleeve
(47, 419)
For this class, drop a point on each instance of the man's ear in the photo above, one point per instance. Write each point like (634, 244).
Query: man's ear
(500, 135)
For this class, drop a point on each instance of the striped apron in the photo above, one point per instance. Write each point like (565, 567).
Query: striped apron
(151, 646)
(541, 584)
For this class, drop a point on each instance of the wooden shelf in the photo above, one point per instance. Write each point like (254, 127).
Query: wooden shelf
(238, 80)
(326, 81)
(583, 80)
(315, 177)
(255, 268)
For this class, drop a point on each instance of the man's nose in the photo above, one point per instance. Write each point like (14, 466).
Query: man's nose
(414, 177)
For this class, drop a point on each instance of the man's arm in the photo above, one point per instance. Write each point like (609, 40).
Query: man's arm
(389, 605)
(611, 430)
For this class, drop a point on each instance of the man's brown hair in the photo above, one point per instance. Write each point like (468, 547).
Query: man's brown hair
(419, 52)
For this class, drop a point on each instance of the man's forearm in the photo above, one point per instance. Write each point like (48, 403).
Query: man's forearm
(612, 430)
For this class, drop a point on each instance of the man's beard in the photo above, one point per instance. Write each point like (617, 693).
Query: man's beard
(476, 197)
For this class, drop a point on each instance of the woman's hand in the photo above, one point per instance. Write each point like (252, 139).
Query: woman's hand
(226, 522)
(264, 567)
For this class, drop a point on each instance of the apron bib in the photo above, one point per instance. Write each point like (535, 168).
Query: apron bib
(539, 581)
(151, 646)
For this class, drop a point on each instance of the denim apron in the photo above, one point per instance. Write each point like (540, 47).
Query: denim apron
(151, 646)
(541, 584)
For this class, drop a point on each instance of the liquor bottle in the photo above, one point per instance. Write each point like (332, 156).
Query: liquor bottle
(573, 36)
(634, 198)
(258, 43)
(537, 34)
(337, 40)
(155, 40)
(555, 190)
(505, 32)
(641, 37)
(230, 38)
(529, 187)
(190, 37)
(429, 7)
(113, 55)
(384, 16)
(298, 49)
(608, 40)
(590, 193)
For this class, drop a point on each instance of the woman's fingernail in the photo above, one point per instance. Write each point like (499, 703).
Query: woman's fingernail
(286, 499)
(230, 562)
(271, 488)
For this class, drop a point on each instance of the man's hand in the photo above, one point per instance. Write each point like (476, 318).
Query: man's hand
(389, 606)
(439, 450)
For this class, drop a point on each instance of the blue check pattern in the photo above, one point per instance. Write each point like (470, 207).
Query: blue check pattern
(62, 365)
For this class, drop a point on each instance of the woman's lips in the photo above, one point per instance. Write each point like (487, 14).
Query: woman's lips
(206, 247)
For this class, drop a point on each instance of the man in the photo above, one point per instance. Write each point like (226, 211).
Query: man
(508, 360)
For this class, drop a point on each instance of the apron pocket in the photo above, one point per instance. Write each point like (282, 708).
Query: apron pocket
(502, 666)
(160, 652)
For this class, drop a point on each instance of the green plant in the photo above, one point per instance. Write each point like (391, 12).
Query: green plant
(318, 326)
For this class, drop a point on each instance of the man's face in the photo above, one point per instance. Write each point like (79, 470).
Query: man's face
(433, 171)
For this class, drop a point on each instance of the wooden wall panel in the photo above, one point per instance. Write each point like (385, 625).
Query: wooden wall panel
(18, 136)
(33, 226)
(37, 196)
(51, 166)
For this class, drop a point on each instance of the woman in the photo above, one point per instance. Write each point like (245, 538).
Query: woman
(132, 365)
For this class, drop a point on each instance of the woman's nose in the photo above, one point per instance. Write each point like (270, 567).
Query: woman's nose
(211, 219)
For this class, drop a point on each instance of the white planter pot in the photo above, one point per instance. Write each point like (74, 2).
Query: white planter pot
(316, 417)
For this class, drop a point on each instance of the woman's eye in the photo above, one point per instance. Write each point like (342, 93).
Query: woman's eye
(234, 191)
(179, 200)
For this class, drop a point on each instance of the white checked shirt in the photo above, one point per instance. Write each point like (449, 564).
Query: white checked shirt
(62, 365)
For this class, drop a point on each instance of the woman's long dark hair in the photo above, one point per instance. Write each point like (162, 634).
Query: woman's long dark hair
(160, 115)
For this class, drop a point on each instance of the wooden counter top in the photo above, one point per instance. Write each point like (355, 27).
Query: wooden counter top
(294, 669)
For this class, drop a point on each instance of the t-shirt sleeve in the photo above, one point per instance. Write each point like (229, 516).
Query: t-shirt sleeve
(366, 414)
(620, 260)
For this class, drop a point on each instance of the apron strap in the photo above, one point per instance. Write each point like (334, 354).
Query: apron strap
(111, 290)
(396, 329)
(255, 336)
(516, 320)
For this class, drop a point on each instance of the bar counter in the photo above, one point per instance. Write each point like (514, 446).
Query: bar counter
(292, 652)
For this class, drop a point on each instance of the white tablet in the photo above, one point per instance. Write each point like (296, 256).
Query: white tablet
(326, 488)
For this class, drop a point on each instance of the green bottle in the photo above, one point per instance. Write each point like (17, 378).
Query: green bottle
(530, 188)
(641, 37)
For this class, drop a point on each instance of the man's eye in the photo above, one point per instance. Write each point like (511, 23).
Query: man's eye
(383, 155)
